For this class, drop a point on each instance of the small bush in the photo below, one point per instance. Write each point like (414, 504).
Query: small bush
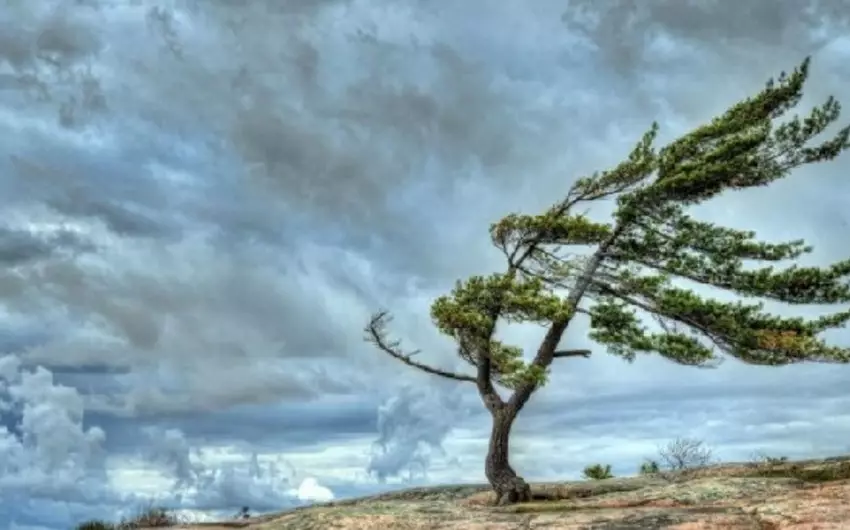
(150, 517)
(154, 517)
(95, 525)
(684, 453)
(649, 467)
(597, 472)
(761, 459)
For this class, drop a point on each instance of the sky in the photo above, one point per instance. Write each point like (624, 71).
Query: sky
(204, 201)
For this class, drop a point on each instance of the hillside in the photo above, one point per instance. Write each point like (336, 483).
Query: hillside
(811, 494)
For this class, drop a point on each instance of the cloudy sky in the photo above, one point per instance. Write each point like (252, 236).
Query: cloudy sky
(204, 200)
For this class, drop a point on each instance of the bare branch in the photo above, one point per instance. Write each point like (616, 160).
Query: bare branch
(572, 353)
(376, 334)
(685, 453)
(582, 311)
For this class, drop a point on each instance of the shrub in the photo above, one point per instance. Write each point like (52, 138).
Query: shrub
(649, 467)
(95, 525)
(763, 459)
(597, 472)
(150, 517)
(685, 453)
(153, 517)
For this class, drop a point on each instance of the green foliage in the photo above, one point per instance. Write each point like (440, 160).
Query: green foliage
(552, 227)
(469, 315)
(597, 472)
(625, 271)
(649, 467)
(741, 149)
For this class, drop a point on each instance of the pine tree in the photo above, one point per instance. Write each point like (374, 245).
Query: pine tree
(633, 260)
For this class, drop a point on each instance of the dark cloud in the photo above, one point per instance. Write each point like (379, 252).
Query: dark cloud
(20, 246)
(625, 31)
(276, 428)
(50, 53)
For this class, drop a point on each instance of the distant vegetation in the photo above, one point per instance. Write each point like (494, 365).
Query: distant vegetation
(150, 517)
(685, 453)
(598, 472)
(649, 467)
(679, 455)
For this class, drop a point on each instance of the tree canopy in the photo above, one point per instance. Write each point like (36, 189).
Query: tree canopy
(630, 264)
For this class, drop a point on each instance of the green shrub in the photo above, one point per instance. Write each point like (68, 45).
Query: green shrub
(597, 472)
(649, 467)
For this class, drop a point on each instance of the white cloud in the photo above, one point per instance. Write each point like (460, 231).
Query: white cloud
(311, 491)
(48, 449)
(412, 426)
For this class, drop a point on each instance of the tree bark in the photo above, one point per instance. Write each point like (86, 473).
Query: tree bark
(509, 487)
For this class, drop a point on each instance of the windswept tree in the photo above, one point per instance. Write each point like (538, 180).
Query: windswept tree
(631, 264)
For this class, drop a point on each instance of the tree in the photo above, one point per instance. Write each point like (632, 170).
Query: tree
(632, 261)
(685, 453)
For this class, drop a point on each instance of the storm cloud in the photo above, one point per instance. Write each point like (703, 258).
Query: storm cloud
(204, 202)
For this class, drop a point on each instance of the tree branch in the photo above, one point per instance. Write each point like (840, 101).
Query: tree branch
(376, 334)
(545, 353)
(572, 353)
(723, 342)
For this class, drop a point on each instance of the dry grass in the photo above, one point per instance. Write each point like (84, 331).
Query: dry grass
(781, 468)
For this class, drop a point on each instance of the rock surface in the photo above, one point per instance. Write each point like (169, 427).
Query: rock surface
(806, 495)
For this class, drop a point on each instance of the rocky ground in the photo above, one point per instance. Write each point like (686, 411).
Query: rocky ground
(805, 495)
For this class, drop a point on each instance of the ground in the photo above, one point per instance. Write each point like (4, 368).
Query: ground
(804, 495)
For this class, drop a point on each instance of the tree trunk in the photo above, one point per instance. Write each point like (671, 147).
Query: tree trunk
(509, 487)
